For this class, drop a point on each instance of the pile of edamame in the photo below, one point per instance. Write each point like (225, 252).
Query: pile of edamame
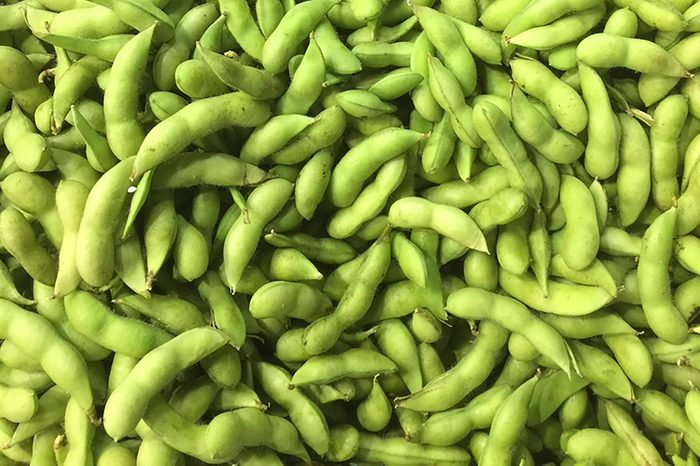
(425, 232)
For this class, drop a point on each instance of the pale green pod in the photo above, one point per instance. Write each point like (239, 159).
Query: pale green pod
(602, 150)
(604, 50)
(563, 102)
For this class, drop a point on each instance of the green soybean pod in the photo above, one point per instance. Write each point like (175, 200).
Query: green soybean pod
(563, 298)
(374, 412)
(243, 28)
(508, 424)
(17, 404)
(303, 412)
(226, 314)
(36, 196)
(540, 249)
(581, 233)
(574, 410)
(470, 303)
(81, 76)
(312, 182)
(446, 90)
(327, 128)
(360, 162)
(324, 332)
(556, 145)
(654, 280)
(669, 115)
(190, 251)
(152, 373)
(633, 178)
(449, 388)
(272, 136)
(633, 357)
(413, 212)
(242, 239)
(376, 449)
(337, 56)
(622, 423)
(102, 208)
(43, 447)
(59, 359)
(159, 231)
(20, 77)
(395, 341)
(443, 33)
(664, 411)
(307, 83)
(121, 334)
(289, 299)
(175, 314)
(494, 128)
(21, 242)
(596, 445)
(198, 119)
(30, 150)
(231, 71)
(596, 366)
(124, 132)
(410, 259)
(602, 154)
(512, 250)
(566, 106)
(79, 432)
(353, 363)
(604, 50)
(449, 427)
(659, 15)
(130, 266)
(294, 26)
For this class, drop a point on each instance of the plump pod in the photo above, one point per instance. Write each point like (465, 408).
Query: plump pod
(474, 303)
(453, 223)
(360, 162)
(99, 223)
(353, 363)
(121, 100)
(323, 333)
(124, 335)
(294, 27)
(566, 106)
(604, 50)
(493, 127)
(59, 359)
(21, 242)
(242, 239)
(508, 424)
(654, 281)
(129, 401)
(198, 119)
